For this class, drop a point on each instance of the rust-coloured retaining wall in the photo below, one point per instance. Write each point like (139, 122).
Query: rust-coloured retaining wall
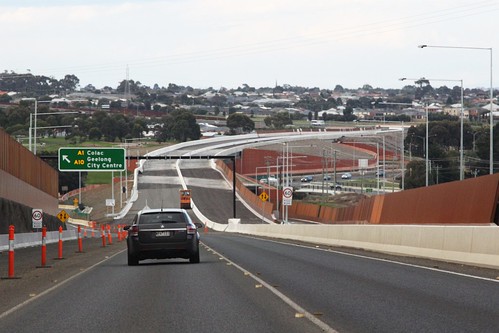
(26, 182)
(20, 192)
(471, 201)
(19, 162)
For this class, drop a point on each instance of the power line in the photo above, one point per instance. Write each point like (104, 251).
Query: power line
(299, 41)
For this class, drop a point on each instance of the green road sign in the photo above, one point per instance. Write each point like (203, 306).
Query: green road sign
(91, 159)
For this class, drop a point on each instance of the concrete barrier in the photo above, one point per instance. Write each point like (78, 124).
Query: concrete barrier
(470, 245)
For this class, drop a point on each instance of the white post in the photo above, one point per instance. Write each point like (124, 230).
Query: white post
(403, 157)
(112, 188)
(334, 170)
(79, 186)
(278, 182)
(30, 130)
(384, 166)
(127, 162)
(287, 180)
(121, 189)
(377, 164)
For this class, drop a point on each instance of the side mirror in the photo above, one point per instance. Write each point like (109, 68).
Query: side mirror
(126, 227)
(199, 225)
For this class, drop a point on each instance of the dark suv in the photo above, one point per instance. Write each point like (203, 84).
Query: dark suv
(162, 234)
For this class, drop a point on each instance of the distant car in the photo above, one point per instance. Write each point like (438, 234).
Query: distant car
(270, 181)
(336, 187)
(327, 177)
(162, 234)
(380, 173)
(305, 179)
(346, 175)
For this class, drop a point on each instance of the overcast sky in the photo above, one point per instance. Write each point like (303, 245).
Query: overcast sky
(228, 43)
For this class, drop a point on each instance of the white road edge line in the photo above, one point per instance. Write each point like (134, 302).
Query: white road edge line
(379, 259)
(17, 307)
(322, 325)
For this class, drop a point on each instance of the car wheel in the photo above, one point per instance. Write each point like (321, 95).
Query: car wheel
(194, 259)
(132, 260)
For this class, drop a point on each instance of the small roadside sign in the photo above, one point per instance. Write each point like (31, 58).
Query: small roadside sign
(264, 196)
(363, 163)
(287, 196)
(37, 218)
(63, 216)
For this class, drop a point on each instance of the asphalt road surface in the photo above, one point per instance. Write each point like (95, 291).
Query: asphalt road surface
(246, 284)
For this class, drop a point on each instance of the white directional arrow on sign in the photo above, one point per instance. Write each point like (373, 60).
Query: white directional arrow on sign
(65, 158)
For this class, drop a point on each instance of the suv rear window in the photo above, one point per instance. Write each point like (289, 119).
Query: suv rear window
(162, 217)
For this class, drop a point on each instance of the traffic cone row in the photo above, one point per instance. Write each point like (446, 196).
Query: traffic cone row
(106, 236)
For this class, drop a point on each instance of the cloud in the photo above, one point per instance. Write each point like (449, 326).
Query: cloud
(226, 41)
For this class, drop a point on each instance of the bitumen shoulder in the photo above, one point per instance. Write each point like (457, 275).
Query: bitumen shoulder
(30, 279)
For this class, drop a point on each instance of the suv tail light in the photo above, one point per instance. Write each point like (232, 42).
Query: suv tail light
(191, 230)
(134, 230)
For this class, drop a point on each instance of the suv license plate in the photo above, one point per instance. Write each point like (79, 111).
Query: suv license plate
(163, 234)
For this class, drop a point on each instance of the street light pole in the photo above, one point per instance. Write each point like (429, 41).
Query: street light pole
(34, 132)
(491, 143)
(461, 140)
(426, 147)
(31, 123)
(35, 126)
(402, 156)
(426, 140)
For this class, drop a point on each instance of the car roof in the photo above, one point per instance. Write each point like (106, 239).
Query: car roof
(161, 210)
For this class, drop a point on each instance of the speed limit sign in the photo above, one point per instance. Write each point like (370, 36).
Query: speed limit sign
(37, 218)
(287, 196)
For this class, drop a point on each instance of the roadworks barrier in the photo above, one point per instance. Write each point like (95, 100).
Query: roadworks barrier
(34, 238)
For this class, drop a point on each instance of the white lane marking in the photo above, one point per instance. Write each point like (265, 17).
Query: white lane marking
(322, 325)
(17, 307)
(380, 259)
